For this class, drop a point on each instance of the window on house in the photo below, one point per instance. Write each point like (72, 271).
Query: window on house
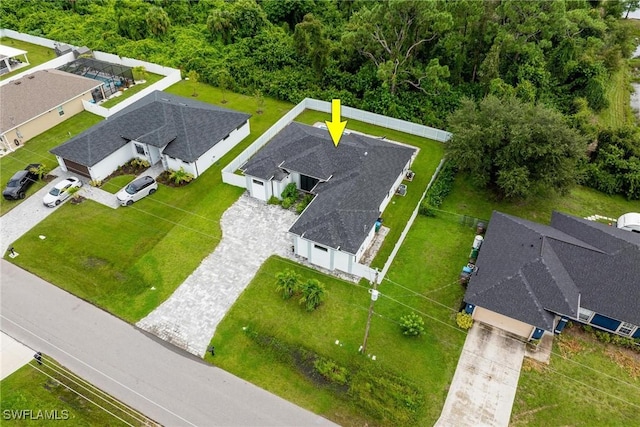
(626, 328)
(139, 149)
(60, 111)
(320, 248)
(255, 181)
(585, 315)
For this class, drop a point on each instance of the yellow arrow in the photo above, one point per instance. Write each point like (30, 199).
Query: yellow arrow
(335, 126)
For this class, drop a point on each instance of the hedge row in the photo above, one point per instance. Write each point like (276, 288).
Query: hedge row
(439, 189)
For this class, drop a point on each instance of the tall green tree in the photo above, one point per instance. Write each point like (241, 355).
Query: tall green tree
(157, 20)
(391, 34)
(514, 148)
(310, 43)
(131, 18)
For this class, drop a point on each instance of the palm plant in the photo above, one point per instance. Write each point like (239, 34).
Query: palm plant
(288, 283)
(313, 294)
(40, 171)
(73, 193)
(180, 176)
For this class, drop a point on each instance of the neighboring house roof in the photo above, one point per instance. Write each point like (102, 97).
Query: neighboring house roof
(186, 128)
(528, 271)
(355, 177)
(30, 96)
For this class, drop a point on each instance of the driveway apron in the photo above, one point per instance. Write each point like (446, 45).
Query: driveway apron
(252, 231)
(485, 382)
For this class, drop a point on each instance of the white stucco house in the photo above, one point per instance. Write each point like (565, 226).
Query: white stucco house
(177, 131)
(352, 184)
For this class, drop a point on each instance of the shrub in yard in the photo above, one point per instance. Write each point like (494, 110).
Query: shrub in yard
(464, 320)
(139, 163)
(40, 171)
(303, 204)
(426, 210)
(412, 325)
(313, 294)
(440, 189)
(273, 200)
(73, 193)
(615, 339)
(288, 283)
(331, 371)
(95, 183)
(287, 202)
(290, 191)
(180, 176)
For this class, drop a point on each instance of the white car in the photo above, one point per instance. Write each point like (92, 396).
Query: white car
(136, 190)
(629, 221)
(60, 192)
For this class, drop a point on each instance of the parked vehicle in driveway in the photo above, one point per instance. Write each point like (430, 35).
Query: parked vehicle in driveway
(136, 190)
(61, 191)
(20, 182)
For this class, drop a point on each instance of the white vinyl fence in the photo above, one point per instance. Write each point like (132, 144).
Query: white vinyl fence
(230, 177)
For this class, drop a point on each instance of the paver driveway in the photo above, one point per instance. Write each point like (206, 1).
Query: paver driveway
(484, 385)
(252, 231)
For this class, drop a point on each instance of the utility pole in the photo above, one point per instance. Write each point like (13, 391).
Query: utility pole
(374, 297)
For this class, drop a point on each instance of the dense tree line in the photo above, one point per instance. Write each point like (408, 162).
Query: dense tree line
(412, 59)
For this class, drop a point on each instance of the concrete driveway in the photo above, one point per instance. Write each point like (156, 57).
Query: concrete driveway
(486, 379)
(252, 231)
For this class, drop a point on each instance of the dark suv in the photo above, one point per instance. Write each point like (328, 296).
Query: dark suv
(20, 182)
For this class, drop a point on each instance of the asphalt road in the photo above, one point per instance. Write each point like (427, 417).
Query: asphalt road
(170, 386)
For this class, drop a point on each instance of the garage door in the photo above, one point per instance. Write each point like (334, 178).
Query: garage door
(74, 167)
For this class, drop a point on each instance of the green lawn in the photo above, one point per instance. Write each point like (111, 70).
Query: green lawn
(423, 278)
(586, 384)
(146, 251)
(116, 183)
(618, 113)
(35, 54)
(36, 150)
(466, 199)
(128, 261)
(42, 388)
(150, 79)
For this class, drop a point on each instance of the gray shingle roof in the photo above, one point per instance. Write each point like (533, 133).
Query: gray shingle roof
(32, 95)
(187, 128)
(524, 266)
(355, 178)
